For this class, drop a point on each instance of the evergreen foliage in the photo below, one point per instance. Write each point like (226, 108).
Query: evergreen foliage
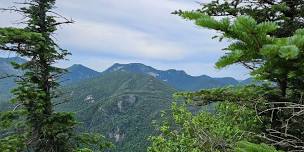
(218, 131)
(244, 146)
(288, 14)
(33, 125)
(272, 59)
(266, 37)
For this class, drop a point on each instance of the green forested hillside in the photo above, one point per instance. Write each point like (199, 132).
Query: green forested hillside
(74, 74)
(7, 83)
(120, 105)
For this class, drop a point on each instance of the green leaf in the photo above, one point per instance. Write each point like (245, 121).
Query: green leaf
(289, 52)
(267, 27)
(270, 50)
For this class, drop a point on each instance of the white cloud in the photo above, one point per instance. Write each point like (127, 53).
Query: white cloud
(109, 31)
(138, 29)
(120, 41)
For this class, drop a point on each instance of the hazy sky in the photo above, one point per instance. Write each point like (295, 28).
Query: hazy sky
(127, 31)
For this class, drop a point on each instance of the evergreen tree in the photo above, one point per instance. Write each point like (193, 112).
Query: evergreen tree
(34, 125)
(266, 37)
(271, 58)
(287, 14)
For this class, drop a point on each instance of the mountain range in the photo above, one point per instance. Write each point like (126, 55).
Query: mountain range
(178, 79)
(120, 102)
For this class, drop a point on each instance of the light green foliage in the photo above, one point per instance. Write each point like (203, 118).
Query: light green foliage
(19, 36)
(281, 59)
(11, 126)
(287, 14)
(244, 146)
(12, 143)
(95, 141)
(249, 35)
(205, 131)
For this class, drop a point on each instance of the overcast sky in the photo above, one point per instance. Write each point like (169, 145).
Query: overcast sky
(128, 31)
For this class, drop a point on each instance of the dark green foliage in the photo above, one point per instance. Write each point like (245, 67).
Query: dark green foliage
(7, 82)
(249, 95)
(36, 127)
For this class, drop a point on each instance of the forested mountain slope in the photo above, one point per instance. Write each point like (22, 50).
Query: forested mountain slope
(121, 105)
(7, 83)
(74, 74)
(175, 78)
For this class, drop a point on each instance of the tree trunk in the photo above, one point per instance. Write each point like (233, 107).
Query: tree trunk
(283, 84)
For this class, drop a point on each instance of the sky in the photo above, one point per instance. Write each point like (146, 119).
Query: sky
(134, 31)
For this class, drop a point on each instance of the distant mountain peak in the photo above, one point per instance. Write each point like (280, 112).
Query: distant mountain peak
(79, 72)
(131, 67)
(139, 65)
(178, 79)
(78, 66)
(176, 71)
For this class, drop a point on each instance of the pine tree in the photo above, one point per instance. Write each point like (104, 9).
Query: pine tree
(287, 14)
(34, 125)
(267, 37)
(271, 58)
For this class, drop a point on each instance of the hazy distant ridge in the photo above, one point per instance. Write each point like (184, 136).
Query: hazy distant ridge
(176, 78)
